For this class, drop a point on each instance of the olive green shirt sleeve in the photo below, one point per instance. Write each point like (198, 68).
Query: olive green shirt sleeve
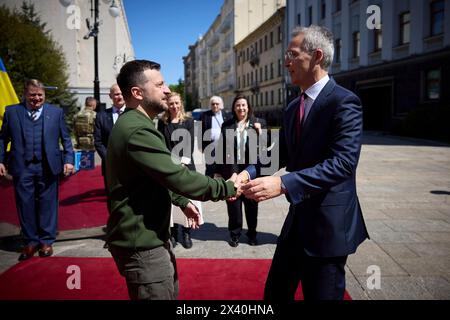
(147, 150)
(178, 200)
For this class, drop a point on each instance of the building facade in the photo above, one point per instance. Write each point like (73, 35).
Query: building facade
(190, 79)
(65, 20)
(260, 68)
(215, 67)
(394, 54)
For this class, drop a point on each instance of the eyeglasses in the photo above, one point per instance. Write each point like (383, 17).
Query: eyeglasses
(290, 55)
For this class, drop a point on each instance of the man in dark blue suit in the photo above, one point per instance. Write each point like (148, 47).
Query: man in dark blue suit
(104, 122)
(320, 144)
(212, 121)
(35, 163)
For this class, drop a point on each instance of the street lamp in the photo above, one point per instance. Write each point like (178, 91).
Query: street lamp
(93, 32)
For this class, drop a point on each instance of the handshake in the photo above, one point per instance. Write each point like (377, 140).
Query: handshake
(259, 189)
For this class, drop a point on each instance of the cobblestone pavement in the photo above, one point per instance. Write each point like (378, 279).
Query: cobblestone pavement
(404, 189)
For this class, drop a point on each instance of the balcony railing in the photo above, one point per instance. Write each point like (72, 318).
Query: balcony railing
(254, 60)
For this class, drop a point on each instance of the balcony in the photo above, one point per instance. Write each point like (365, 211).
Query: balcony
(213, 40)
(226, 66)
(215, 56)
(225, 47)
(226, 25)
(254, 60)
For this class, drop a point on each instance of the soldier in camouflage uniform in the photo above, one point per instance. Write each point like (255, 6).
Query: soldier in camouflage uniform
(83, 123)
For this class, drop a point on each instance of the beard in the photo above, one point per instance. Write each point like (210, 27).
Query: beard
(153, 106)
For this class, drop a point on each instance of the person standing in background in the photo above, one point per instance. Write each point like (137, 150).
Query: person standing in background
(243, 124)
(173, 119)
(35, 129)
(104, 123)
(83, 125)
(211, 125)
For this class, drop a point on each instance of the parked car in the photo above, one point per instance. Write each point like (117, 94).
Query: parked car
(197, 113)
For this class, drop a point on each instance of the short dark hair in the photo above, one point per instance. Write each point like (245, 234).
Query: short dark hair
(131, 75)
(250, 109)
(89, 100)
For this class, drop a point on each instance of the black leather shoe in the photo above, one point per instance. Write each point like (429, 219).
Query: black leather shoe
(187, 241)
(234, 241)
(27, 252)
(45, 251)
(252, 241)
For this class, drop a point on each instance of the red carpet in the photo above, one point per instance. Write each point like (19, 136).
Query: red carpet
(82, 201)
(200, 279)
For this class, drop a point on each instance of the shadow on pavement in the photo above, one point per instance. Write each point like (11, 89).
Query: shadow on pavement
(382, 138)
(209, 231)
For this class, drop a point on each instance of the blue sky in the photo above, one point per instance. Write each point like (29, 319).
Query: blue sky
(162, 30)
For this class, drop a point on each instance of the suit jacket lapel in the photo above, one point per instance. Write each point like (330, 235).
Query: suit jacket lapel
(319, 103)
(109, 116)
(21, 114)
(46, 119)
(290, 118)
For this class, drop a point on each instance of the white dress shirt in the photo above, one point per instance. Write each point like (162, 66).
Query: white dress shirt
(313, 92)
(115, 112)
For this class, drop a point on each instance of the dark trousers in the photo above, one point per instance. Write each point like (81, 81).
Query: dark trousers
(36, 192)
(235, 216)
(321, 278)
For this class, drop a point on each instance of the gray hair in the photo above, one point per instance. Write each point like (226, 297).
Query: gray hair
(317, 37)
(33, 83)
(217, 98)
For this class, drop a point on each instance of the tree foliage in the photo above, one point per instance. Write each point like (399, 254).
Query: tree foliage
(179, 88)
(29, 51)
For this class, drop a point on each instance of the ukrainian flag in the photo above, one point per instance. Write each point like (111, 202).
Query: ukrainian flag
(7, 94)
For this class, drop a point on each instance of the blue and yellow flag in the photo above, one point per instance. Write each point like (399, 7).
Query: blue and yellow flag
(7, 94)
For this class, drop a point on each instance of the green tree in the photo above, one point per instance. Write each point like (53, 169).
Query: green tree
(179, 88)
(30, 52)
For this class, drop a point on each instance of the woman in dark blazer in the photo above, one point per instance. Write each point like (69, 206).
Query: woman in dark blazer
(239, 149)
(175, 118)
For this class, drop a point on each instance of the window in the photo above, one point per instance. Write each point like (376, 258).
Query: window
(356, 44)
(265, 42)
(405, 27)
(265, 73)
(267, 98)
(248, 55)
(271, 70)
(280, 96)
(337, 50)
(239, 82)
(338, 4)
(378, 38)
(433, 84)
(251, 76)
(256, 47)
(271, 39)
(310, 15)
(323, 9)
(271, 97)
(437, 17)
(280, 67)
(260, 45)
(299, 19)
(280, 35)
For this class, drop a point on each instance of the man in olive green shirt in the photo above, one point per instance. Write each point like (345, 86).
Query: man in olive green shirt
(143, 181)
